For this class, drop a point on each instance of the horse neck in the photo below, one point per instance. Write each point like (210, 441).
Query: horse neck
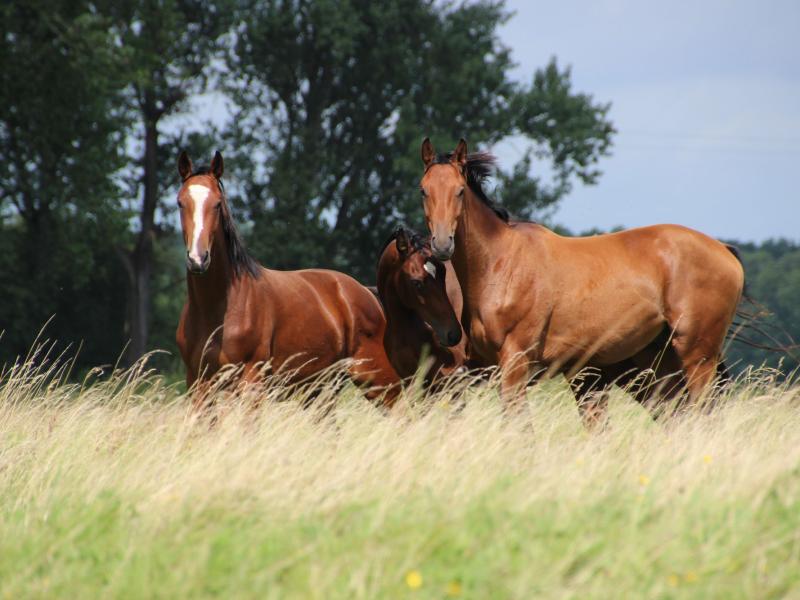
(398, 316)
(401, 320)
(210, 290)
(478, 239)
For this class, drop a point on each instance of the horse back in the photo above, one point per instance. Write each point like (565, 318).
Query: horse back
(345, 305)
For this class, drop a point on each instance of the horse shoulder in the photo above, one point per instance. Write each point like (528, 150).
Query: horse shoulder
(248, 323)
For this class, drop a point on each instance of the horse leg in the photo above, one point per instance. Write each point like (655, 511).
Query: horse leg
(724, 376)
(374, 374)
(252, 374)
(514, 374)
(698, 345)
(201, 396)
(652, 376)
(589, 387)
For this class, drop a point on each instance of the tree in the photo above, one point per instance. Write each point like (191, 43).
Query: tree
(333, 101)
(168, 49)
(60, 142)
(772, 276)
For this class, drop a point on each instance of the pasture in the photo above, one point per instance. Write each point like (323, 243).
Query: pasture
(114, 488)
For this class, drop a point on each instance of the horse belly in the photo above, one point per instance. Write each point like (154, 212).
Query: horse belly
(626, 342)
(603, 333)
(307, 345)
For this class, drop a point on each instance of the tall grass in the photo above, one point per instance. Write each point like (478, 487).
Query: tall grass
(114, 488)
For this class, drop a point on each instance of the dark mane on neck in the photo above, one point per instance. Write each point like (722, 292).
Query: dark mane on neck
(479, 168)
(241, 262)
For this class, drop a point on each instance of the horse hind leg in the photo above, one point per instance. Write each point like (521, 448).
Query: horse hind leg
(677, 369)
(591, 389)
(698, 346)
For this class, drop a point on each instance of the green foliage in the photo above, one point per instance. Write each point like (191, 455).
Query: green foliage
(772, 274)
(60, 139)
(334, 100)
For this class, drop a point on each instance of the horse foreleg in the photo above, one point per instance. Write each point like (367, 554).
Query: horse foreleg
(514, 373)
(375, 375)
(250, 380)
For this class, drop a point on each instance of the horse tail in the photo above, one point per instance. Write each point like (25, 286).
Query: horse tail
(748, 320)
(738, 256)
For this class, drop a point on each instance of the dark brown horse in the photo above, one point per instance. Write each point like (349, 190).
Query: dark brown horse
(239, 313)
(660, 297)
(421, 298)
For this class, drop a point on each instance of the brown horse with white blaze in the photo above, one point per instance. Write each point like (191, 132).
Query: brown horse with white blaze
(239, 313)
(421, 299)
(659, 297)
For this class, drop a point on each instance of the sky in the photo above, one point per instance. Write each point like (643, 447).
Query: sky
(705, 96)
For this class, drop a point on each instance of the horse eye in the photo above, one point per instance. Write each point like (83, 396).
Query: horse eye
(460, 192)
(218, 207)
(180, 204)
(422, 192)
(418, 284)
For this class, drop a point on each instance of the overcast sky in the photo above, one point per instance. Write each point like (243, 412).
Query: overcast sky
(706, 98)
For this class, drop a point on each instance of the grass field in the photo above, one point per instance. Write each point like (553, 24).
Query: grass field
(114, 489)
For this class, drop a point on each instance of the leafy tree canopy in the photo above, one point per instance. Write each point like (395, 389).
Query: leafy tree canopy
(333, 99)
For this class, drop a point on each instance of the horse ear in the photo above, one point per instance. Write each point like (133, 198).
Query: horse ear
(217, 166)
(427, 152)
(184, 165)
(401, 241)
(460, 154)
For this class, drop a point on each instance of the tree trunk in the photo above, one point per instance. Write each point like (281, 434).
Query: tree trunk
(140, 264)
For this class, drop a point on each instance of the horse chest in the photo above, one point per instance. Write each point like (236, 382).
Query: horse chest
(481, 342)
(210, 347)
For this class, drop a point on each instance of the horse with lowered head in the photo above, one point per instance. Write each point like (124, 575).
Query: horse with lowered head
(648, 303)
(422, 301)
(240, 313)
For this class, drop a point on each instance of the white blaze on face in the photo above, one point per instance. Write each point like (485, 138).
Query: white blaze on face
(199, 194)
(430, 268)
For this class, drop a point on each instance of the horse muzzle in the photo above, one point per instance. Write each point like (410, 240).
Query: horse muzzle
(198, 265)
(442, 247)
(449, 337)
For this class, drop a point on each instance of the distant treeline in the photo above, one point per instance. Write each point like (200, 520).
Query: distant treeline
(772, 280)
(327, 103)
(91, 311)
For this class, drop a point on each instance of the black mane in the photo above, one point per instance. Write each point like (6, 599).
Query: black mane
(241, 262)
(418, 241)
(479, 168)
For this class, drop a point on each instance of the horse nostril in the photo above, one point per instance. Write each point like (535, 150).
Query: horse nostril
(453, 336)
(205, 256)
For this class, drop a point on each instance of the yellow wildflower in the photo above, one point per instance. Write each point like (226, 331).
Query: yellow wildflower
(707, 459)
(643, 480)
(454, 588)
(690, 577)
(414, 579)
(673, 580)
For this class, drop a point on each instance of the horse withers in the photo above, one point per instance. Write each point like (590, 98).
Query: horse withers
(422, 301)
(659, 297)
(240, 313)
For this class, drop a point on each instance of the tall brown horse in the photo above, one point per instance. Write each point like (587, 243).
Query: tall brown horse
(238, 312)
(421, 298)
(659, 297)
